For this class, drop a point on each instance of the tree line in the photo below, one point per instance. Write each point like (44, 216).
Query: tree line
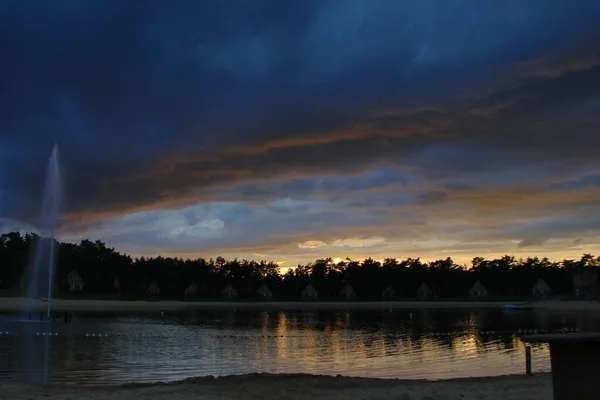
(104, 270)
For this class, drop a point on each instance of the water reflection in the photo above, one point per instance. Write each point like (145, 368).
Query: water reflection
(430, 344)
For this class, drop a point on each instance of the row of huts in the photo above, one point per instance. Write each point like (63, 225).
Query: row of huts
(478, 291)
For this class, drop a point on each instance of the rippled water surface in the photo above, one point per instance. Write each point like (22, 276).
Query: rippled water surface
(428, 343)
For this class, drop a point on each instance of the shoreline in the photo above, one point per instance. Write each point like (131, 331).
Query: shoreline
(566, 305)
(302, 386)
(8, 304)
(18, 303)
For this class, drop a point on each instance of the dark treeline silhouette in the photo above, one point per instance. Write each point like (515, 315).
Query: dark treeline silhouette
(93, 268)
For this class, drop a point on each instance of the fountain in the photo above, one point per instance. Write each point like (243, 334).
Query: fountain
(39, 275)
(34, 359)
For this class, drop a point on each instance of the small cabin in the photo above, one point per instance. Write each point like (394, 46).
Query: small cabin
(541, 289)
(264, 292)
(191, 290)
(423, 292)
(585, 282)
(117, 284)
(478, 291)
(75, 282)
(388, 293)
(229, 291)
(309, 292)
(348, 292)
(153, 289)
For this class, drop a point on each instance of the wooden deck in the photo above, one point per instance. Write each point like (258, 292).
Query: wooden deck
(575, 359)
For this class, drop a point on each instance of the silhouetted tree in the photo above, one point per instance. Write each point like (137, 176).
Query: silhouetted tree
(106, 271)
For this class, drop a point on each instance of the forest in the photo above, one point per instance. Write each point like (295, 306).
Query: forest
(105, 271)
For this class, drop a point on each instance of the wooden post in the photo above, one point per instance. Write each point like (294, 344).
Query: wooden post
(528, 360)
(574, 360)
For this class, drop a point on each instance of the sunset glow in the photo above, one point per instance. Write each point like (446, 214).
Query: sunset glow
(292, 131)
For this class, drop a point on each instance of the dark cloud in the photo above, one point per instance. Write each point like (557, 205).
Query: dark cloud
(432, 197)
(583, 182)
(344, 112)
(532, 242)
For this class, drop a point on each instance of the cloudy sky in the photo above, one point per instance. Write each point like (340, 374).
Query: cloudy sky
(293, 130)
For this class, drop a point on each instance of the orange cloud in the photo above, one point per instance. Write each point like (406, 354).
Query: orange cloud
(178, 181)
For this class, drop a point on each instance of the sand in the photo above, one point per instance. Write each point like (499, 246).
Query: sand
(309, 387)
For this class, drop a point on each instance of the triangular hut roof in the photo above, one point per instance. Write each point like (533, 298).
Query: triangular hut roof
(388, 291)
(424, 290)
(264, 291)
(348, 291)
(191, 290)
(585, 277)
(310, 291)
(153, 289)
(541, 287)
(478, 290)
(74, 277)
(229, 290)
(75, 282)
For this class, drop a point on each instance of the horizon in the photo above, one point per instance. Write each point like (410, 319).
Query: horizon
(294, 132)
(282, 268)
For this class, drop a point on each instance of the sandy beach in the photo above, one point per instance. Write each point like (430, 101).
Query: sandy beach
(282, 387)
(17, 303)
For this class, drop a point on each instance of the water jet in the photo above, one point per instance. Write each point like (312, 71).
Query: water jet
(39, 276)
(39, 279)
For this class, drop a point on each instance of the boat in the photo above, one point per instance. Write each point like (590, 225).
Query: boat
(512, 308)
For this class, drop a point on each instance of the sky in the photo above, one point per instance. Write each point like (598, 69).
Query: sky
(298, 130)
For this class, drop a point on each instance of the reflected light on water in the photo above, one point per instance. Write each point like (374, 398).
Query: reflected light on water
(382, 344)
(467, 347)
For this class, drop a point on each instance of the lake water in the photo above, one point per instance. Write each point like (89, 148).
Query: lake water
(425, 343)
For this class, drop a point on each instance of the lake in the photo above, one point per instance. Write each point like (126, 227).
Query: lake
(114, 348)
